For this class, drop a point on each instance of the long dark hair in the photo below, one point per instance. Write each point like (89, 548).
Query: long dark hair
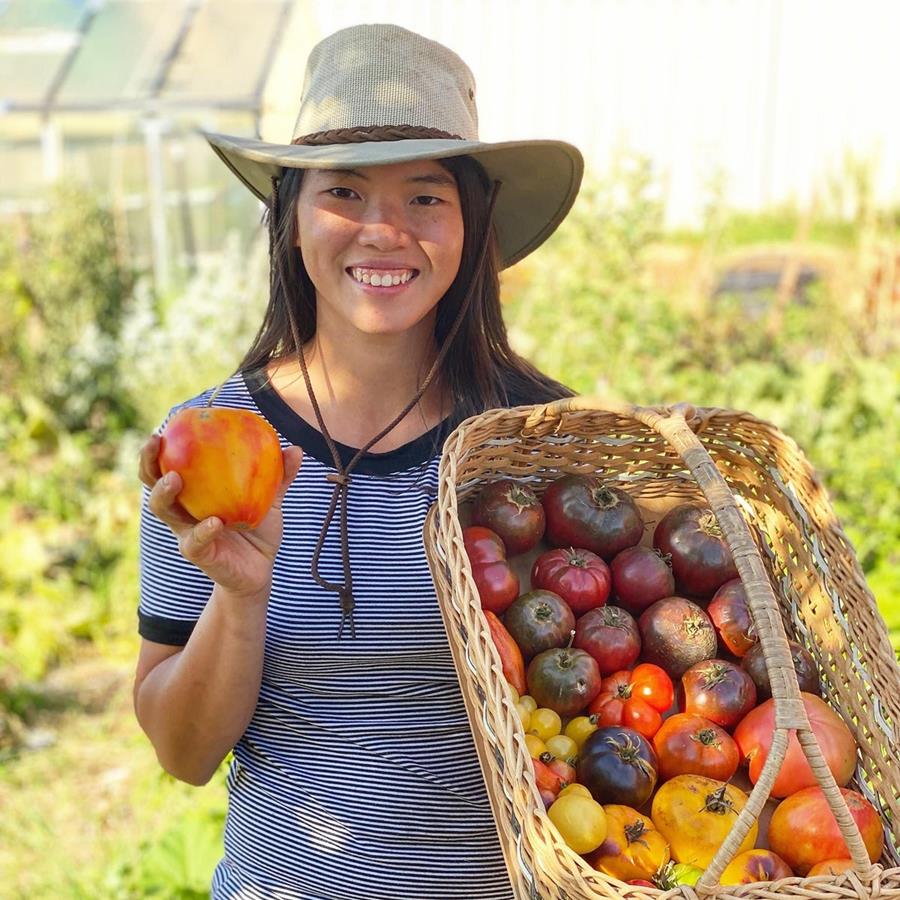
(480, 371)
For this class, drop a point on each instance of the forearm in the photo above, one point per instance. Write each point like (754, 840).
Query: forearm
(195, 705)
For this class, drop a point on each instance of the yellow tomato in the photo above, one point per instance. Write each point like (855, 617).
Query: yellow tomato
(581, 821)
(528, 701)
(563, 748)
(535, 746)
(545, 723)
(524, 714)
(580, 729)
(633, 847)
(575, 788)
(513, 691)
(694, 814)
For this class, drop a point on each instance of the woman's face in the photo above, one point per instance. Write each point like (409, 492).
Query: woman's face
(381, 244)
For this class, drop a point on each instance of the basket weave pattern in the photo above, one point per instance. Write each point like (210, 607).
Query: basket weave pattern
(783, 534)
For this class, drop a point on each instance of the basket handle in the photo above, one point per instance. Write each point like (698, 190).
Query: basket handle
(679, 425)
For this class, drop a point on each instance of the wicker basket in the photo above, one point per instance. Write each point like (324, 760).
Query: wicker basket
(782, 531)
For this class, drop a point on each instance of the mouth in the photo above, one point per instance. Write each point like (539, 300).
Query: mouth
(381, 278)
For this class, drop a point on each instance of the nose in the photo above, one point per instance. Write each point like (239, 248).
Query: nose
(384, 226)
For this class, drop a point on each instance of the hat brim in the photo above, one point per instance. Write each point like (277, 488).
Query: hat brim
(540, 179)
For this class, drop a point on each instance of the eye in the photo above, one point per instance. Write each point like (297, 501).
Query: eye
(342, 193)
(425, 200)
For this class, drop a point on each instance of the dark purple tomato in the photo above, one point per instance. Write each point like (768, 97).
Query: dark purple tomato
(564, 679)
(618, 765)
(730, 614)
(640, 577)
(611, 636)
(701, 560)
(538, 621)
(675, 634)
(584, 512)
(513, 511)
(754, 663)
(717, 690)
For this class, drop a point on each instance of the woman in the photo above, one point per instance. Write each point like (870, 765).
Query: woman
(313, 645)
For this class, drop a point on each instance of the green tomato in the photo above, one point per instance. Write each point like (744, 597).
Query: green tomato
(673, 874)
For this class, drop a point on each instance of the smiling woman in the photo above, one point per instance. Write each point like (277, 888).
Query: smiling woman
(354, 773)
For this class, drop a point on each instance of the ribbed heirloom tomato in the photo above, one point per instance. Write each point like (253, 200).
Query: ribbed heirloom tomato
(513, 511)
(229, 461)
(580, 577)
(497, 584)
(635, 698)
(633, 847)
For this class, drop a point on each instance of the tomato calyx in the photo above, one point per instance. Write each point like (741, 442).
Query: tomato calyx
(713, 674)
(520, 498)
(665, 557)
(629, 751)
(603, 498)
(634, 833)
(707, 737)
(576, 558)
(694, 625)
(718, 802)
(617, 618)
(623, 691)
(709, 524)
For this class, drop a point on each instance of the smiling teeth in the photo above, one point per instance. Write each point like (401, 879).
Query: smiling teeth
(381, 278)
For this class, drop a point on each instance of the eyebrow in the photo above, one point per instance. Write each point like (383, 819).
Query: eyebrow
(437, 178)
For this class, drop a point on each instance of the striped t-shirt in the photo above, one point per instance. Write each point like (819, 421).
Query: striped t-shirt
(357, 776)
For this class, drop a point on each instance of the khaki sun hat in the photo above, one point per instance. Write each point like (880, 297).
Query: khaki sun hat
(381, 76)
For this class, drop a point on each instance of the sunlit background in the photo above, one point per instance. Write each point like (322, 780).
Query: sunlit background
(736, 244)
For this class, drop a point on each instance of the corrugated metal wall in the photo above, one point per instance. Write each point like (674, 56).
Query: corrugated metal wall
(770, 92)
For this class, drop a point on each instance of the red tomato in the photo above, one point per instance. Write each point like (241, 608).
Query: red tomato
(582, 511)
(497, 583)
(634, 699)
(718, 690)
(701, 560)
(510, 654)
(229, 461)
(513, 511)
(730, 614)
(580, 577)
(756, 731)
(640, 577)
(804, 831)
(483, 545)
(691, 745)
(611, 636)
(545, 778)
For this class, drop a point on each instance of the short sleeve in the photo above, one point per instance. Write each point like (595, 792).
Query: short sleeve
(173, 591)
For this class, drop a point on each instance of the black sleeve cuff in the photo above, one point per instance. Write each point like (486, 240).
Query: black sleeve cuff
(165, 631)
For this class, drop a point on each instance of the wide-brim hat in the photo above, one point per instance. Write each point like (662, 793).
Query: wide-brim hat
(370, 77)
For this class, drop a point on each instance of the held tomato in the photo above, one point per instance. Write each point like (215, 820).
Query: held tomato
(513, 511)
(755, 865)
(804, 831)
(538, 621)
(229, 461)
(701, 560)
(634, 699)
(611, 636)
(580, 577)
(633, 847)
(718, 690)
(695, 814)
(564, 680)
(640, 577)
(756, 731)
(618, 765)
(730, 614)
(496, 582)
(691, 745)
(583, 512)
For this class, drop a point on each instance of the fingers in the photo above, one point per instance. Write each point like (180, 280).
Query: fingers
(293, 457)
(194, 542)
(163, 504)
(148, 462)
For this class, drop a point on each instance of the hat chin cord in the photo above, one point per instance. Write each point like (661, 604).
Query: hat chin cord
(341, 478)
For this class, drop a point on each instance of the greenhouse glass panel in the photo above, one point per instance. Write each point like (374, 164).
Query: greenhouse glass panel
(226, 53)
(122, 54)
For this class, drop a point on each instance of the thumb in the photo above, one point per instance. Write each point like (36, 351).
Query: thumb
(293, 457)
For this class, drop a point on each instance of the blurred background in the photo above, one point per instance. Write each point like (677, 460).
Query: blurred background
(736, 244)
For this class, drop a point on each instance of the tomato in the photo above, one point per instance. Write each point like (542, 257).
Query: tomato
(701, 560)
(717, 690)
(545, 723)
(804, 831)
(633, 848)
(566, 771)
(534, 745)
(752, 866)
(691, 745)
(496, 582)
(584, 512)
(830, 867)
(538, 621)
(756, 731)
(634, 698)
(618, 765)
(640, 577)
(694, 814)
(580, 577)
(545, 778)
(730, 614)
(611, 636)
(510, 654)
(754, 663)
(675, 634)
(575, 788)
(580, 820)
(565, 679)
(229, 461)
(674, 874)
(581, 728)
(563, 747)
(513, 511)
